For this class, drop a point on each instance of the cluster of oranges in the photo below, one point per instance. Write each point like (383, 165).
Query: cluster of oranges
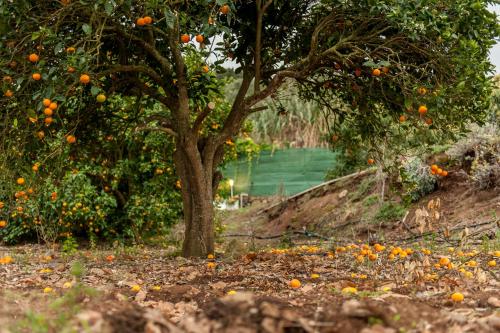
(142, 21)
(436, 170)
(185, 38)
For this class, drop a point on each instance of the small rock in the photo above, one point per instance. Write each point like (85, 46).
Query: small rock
(494, 302)
(354, 308)
(342, 194)
(269, 325)
(270, 310)
(219, 285)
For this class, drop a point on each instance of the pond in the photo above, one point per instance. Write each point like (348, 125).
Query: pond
(285, 172)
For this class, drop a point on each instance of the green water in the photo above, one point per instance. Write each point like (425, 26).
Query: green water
(292, 170)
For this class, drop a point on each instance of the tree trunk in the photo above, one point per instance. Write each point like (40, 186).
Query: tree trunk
(197, 197)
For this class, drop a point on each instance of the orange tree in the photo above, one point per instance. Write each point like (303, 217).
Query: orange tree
(372, 55)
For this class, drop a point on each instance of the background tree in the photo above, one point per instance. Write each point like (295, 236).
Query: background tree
(379, 57)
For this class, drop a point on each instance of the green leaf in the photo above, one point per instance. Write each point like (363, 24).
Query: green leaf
(108, 7)
(170, 18)
(87, 29)
(15, 123)
(370, 64)
(94, 90)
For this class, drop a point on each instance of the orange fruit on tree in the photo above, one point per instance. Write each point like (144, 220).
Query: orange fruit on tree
(53, 106)
(428, 121)
(71, 69)
(371, 161)
(48, 112)
(33, 57)
(101, 98)
(48, 120)
(439, 171)
(444, 173)
(8, 93)
(402, 118)
(205, 69)
(84, 78)
(20, 181)
(3, 224)
(71, 139)
(110, 258)
(200, 38)
(224, 9)
(35, 167)
(434, 167)
(40, 135)
(140, 21)
(36, 76)
(185, 38)
(422, 91)
(385, 70)
(422, 109)
(46, 102)
(295, 284)
(71, 49)
(376, 72)
(148, 19)
(2, 204)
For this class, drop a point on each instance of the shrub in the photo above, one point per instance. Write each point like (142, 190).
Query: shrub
(390, 211)
(479, 155)
(416, 179)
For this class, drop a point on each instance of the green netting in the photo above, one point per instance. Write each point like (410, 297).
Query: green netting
(287, 171)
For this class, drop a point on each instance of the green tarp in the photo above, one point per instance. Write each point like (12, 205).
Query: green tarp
(286, 172)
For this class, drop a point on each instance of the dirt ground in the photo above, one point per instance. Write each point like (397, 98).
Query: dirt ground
(371, 277)
(146, 290)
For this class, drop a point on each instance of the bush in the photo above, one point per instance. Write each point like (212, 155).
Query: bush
(416, 179)
(390, 211)
(479, 154)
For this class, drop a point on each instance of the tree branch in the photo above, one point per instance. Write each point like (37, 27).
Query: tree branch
(134, 69)
(199, 119)
(156, 129)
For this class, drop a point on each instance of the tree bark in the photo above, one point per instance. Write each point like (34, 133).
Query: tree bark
(197, 196)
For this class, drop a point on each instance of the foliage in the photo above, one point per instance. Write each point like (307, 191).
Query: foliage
(365, 62)
(416, 179)
(478, 152)
(390, 211)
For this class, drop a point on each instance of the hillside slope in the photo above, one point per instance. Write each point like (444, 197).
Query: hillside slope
(350, 208)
